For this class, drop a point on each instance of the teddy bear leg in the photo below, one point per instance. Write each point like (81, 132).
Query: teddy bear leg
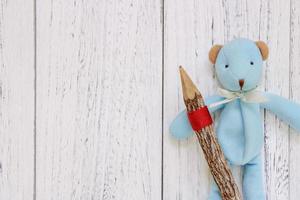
(253, 188)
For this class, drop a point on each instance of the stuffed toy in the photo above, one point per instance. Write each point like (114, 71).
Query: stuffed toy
(239, 66)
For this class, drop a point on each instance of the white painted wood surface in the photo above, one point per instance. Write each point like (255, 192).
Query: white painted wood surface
(99, 99)
(275, 29)
(16, 100)
(84, 111)
(294, 148)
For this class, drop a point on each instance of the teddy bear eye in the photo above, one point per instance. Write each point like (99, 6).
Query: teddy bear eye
(251, 63)
(226, 66)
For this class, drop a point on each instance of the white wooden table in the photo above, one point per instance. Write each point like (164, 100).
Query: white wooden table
(89, 88)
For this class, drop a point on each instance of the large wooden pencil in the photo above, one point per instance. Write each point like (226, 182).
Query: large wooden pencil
(213, 153)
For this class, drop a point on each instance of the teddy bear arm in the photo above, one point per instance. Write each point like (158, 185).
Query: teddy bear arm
(213, 99)
(181, 127)
(285, 109)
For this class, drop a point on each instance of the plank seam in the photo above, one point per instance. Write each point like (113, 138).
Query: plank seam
(290, 96)
(162, 108)
(35, 96)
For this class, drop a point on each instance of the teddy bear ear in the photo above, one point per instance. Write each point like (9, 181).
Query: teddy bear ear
(264, 49)
(213, 53)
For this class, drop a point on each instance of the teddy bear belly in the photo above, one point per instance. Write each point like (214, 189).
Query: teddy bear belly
(230, 133)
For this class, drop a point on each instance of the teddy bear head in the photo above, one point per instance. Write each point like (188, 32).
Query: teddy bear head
(238, 64)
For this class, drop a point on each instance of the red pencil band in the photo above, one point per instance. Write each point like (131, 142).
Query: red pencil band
(200, 118)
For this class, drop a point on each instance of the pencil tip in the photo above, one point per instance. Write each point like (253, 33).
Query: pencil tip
(189, 89)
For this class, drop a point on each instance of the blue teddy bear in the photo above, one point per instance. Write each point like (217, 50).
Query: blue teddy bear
(238, 66)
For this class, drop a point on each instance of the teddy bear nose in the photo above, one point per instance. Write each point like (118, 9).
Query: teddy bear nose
(241, 82)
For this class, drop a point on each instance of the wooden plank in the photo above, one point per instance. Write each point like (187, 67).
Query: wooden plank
(190, 30)
(99, 108)
(294, 176)
(187, 41)
(274, 29)
(16, 100)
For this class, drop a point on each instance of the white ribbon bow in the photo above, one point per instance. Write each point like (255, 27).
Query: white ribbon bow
(251, 96)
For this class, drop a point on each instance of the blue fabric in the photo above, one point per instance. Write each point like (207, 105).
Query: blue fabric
(238, 55)
(240, 130)
(285, 109)
(240, 141)
(252, 181)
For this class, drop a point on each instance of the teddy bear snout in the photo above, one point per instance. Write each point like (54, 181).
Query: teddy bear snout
(241, 83)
